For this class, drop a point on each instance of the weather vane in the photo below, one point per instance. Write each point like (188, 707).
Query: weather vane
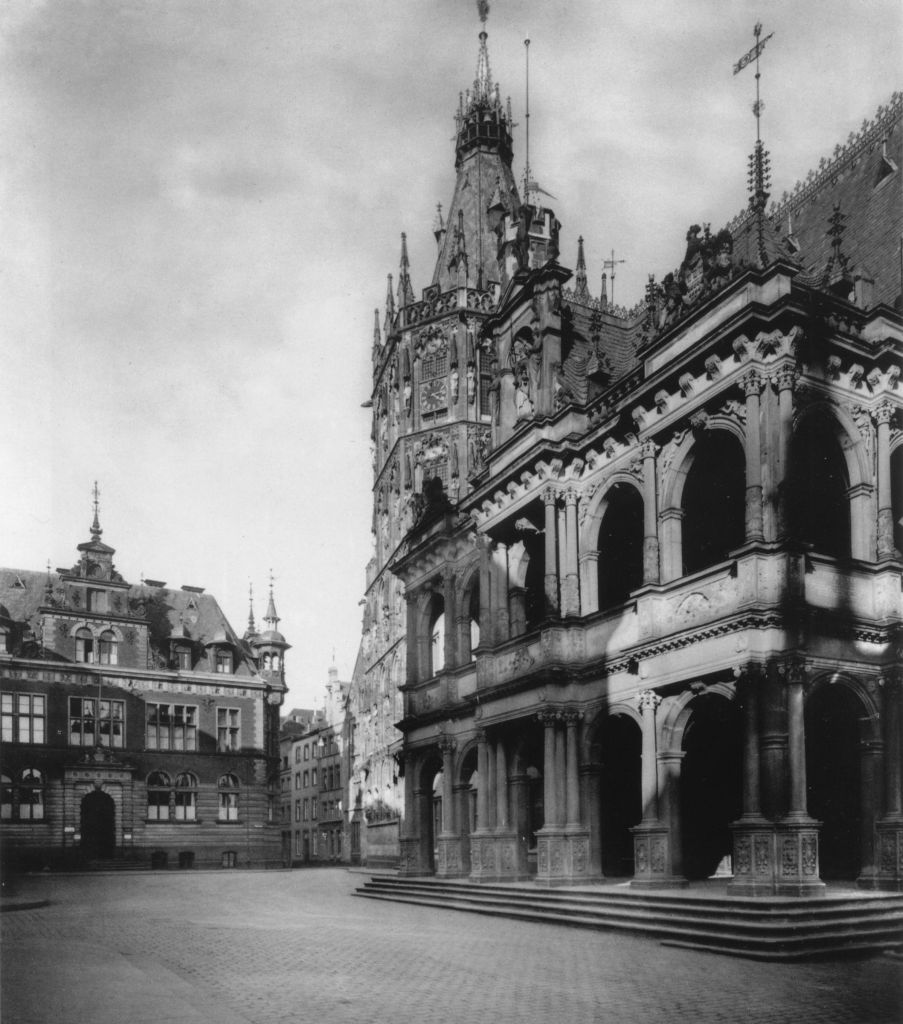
(747, 58)
(610, 265)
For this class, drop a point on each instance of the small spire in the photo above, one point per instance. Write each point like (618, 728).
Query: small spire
(603, 298)
(271, 618)
(439, 225)
(405, 291)
(390, 308)
(581, 291)
(377, 337)
(252, 627)
(95, 526)
(48, 585)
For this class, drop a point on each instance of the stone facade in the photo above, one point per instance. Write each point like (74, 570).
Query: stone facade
(651, 560)
(138, 729)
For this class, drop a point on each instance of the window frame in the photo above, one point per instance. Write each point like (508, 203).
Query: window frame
(179, 721)
(12, 718)
(233, 731)
(114, 719)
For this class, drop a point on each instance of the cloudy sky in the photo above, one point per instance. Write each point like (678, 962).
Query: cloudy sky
(199, 202)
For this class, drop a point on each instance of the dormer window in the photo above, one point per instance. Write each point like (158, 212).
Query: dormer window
(109, 653)
(84, 645)
(183, 658)
(223, 662)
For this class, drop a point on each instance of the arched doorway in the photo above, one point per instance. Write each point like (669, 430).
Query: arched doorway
(620, 545)
(818, 507)
(710, 783)
(832, 778)
(620, 745)
(714, 501)
(98, 825)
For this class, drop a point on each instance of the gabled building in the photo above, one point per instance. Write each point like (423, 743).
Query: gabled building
(640, 570)
(137, 726)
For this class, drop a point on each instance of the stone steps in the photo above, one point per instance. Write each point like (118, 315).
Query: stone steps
(769, 928)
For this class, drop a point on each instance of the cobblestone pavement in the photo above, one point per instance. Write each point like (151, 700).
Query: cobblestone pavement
(278, 947)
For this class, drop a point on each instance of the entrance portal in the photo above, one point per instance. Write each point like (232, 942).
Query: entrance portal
(98, 825)
(832, 776)
(622, 802)
(710, 783)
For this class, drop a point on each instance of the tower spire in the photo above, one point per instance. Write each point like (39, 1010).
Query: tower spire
(271, 618)
(405, 291)
(581, 291)
(252, 627)
(96, 531)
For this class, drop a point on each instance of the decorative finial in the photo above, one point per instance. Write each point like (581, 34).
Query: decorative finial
(581, 291)
(483, 9)
(610, 265)
(759, 167)
(252, 628)
(95, 526)
(48, 585)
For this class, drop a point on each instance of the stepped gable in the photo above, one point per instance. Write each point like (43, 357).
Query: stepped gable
(862, 179)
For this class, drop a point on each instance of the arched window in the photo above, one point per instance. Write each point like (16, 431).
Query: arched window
(818, 508)
(620, 545)
(714, 501)
(109, 654)
(31, 795)
(228, 797)
(186, 797)
(158, 794)
(84, 645)
(437, 635)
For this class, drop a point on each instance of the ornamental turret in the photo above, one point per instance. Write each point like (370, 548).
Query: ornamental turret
(270, 647)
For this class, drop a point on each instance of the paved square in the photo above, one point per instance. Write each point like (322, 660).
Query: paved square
(278, 947)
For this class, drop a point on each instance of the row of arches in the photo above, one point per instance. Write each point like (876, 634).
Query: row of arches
(706, 733)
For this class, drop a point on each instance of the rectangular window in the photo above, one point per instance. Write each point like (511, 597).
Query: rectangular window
(172, 727)
(227, 729)
(306, 752)
(224, 662)
(313, 809)
(306, 809)
(306, 779)
(23, 716)
(228, 806)
(297, 755)
(298, 846)
(297, 780)
(313, 776)
(297, 810)
(94, 723)
(184, 659)
(98, 601)
(186, 805)
(157, 805)
(338, 776)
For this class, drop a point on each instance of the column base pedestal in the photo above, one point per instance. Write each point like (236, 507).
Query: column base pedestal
(496, 857)
(562, 856)
(796, 857)
(652, 859)
(755, 847)
(890, 854)
(410, 860)
(449, 857)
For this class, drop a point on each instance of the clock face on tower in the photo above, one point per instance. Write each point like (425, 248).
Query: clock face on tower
(434, 395)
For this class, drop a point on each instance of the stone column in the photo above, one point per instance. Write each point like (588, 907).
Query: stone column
(448, 597)
(653, 846)
(651, 571)
(500, 602)
(519, 789)
(451, 858)
(591, 777)
(483, 789)
(491, 791)
(549, 720)
(409, 841)
(411, 662)
(447, 747)
(890, 827)
(487, 627)
(571, 597)
(883, 416)
(797, 833)
(753, 835)
(870, 787)
(501, 790)
(647, 702)
(784, 380)
(518, 604)
(671, 526)
(550, 498)
(589, 582)
(752, 386)
(572, 792)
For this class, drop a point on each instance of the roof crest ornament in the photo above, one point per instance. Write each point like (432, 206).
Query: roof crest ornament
(759, 162)
(96, 531)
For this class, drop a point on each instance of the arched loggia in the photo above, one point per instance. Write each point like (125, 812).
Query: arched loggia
(620, 545)
(714, 500)
(818, 505)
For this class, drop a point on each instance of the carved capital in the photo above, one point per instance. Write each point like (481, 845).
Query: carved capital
(785, 378)
(648, 700)
(884, 412)
(649, 449)
(571, 495)
(751, 382)
(548, 717)
(447, 744)
(549, 495)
